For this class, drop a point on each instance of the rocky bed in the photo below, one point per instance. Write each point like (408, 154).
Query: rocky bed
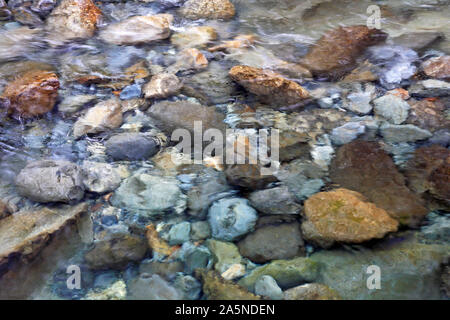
(90, 93)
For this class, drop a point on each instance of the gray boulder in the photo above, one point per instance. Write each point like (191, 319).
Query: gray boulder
(231, 218)
(100, 177)
(131, 146)
(51, 181)
(150, 195)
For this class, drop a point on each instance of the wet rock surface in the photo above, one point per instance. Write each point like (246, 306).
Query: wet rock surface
(131, 146)
(51, 181)
(268, 85)
(334, 54)
(267, 243)
(364, 167)
(139, 29)
(208, 9)
(344, 216)
(311, 291)
(32, 94)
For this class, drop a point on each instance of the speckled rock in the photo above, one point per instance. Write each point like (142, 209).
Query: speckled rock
(138, 29)
(162, 85)
(73, 19)
(429, 115)
(231, 218)
(51, 181)
(392, 108)
(311, 291)
(335, 52)
(31, 94)
(366, 168)
(274, 201)
(208, 9)
(397, 133)
(100, 177)
(103, 116)
(268, 85)
(438, 68)
(342, 215)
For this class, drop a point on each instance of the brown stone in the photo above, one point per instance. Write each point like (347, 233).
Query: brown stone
(32, 94)
(25, 233)
(334, 54)
(429, 115)
(438, 67)
(161, 86)
(208, 9)
(4, 210)
(429, 171)
(248, 176)
(270, 86)
(344, 216)
(241, 41)
(365, 167)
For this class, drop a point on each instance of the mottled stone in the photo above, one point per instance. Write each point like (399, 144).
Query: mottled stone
(32, 94)
(429, 115)
(208, 9)
(269, 86)
(366, 168)
(194, 37)
(345, 216)
(438, 68)
(73, 19)
(392, 108)
(266, 286)
(100, 177)
(51, 181)
(275, 201)
(162, 85)
(103, 116)
(403, 133)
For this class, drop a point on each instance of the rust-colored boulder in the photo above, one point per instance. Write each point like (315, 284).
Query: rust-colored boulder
(334, 54)
(344, 216)
(365, 167)
(429, 171)
(32, 94)
(270, 86)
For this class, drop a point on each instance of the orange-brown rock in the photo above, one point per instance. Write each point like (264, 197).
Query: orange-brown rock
(365, 167)
(438, 67)
(32, 94)
(429, 115)
(429, 172)
(346, 216)
(269, 86)
(74, 19)
(334, 54)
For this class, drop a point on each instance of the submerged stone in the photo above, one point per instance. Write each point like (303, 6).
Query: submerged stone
(366, 168)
